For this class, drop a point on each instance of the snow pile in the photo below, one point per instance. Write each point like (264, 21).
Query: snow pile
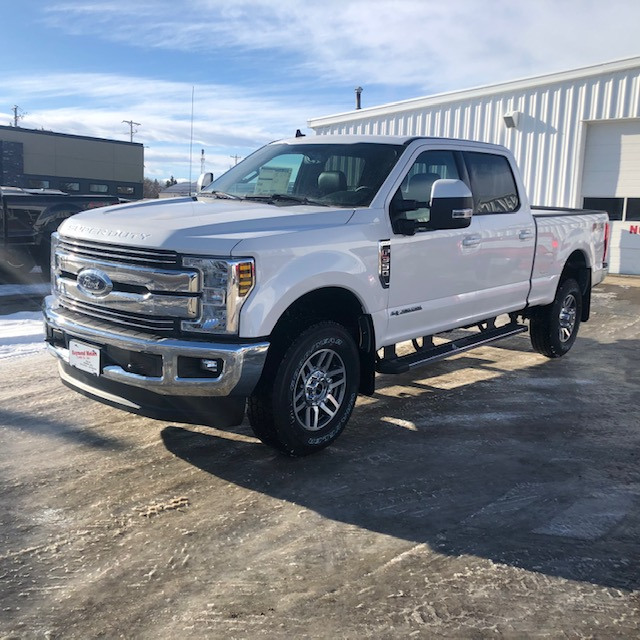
(21, 334)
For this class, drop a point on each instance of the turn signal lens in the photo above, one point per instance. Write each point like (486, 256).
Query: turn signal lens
(244, 275)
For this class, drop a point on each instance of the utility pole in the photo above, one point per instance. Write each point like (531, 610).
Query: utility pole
(235, 158)
(132, 124)
(17, 116)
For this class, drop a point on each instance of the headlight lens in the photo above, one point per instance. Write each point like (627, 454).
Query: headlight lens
(225, 286)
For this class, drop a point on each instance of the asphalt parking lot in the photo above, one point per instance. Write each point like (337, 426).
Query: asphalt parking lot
(496, 494)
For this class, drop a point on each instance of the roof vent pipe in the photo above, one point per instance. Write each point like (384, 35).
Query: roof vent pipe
(358, 96)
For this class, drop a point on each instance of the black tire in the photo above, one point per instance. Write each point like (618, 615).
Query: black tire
(306, 398)
(554, 327)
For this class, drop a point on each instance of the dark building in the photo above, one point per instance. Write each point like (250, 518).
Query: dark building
(34, 159)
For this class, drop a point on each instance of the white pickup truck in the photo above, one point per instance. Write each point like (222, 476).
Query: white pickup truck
(285, 285)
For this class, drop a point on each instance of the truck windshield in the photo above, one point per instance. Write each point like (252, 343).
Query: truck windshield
(341, 175)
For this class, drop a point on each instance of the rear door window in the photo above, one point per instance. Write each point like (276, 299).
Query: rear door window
(492, 183)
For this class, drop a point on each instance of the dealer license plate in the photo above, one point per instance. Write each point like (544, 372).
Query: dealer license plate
(85, 357)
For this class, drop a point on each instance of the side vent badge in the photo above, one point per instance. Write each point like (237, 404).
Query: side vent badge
(384, 263)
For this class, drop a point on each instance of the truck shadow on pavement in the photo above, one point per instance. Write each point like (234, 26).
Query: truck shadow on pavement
(534, 468)
(43, 426)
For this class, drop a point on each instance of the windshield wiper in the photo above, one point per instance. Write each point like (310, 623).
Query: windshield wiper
(285, 197)
(218, 194)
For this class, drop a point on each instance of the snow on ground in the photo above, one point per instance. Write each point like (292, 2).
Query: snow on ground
(37, 288)
(21, 334)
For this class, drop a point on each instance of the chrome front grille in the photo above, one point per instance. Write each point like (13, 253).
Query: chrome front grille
(119, 254)
(135, 321)
(149, 291)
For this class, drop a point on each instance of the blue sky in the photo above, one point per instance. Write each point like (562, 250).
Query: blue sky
(259, 69)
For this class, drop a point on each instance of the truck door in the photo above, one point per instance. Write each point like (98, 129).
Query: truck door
(435, 274)
(506, 251)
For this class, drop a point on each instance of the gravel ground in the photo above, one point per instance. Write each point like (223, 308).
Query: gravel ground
(496, 494)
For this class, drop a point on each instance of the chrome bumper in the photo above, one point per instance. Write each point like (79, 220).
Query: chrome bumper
(241, 370)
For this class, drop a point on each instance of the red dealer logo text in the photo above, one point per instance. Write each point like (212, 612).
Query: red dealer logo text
(634, 228)
(84, 353)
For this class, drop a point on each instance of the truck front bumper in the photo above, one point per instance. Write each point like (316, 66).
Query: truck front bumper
(136, 368)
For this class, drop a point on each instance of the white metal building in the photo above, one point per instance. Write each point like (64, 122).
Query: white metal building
(575, 135)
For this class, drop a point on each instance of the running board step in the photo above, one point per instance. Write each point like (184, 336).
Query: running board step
(402, 364)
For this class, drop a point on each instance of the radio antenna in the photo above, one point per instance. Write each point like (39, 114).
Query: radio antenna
(193, 89)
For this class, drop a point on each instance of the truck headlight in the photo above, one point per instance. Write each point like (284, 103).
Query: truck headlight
(225, 286)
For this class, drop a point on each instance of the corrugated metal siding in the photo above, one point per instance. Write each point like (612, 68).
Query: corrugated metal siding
(548, 142)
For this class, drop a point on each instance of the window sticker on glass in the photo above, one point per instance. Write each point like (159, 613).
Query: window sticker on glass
(273, 180)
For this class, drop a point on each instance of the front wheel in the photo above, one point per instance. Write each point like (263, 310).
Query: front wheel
(554, 327)
(307, 397)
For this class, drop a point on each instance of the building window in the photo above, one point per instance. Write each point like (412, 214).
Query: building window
(70, 186)
(633, 209)
(613, 206)
(38, 184)
(99, 188)
(125, 191)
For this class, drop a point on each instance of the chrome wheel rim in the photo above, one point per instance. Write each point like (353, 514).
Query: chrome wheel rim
(568, 316)
(319, 389)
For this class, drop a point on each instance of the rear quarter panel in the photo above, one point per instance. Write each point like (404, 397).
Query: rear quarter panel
(559, 234)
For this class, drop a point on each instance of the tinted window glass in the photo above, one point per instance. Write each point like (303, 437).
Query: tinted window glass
(492, 182)
(343, 175)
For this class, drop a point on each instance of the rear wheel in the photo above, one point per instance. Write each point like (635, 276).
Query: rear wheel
(554, 327)
(306, 399)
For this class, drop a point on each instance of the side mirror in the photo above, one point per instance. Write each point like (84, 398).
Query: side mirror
(451, 205)
(204, 180)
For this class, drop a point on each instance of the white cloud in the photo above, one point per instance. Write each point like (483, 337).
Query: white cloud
(299, 59)
(422, 43)
(227, 120)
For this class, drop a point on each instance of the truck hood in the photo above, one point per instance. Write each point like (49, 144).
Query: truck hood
(202, 226)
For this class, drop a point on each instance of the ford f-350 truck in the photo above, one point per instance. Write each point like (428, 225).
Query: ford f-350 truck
(286, 284)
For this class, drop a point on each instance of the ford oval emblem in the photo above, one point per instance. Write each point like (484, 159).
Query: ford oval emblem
(93, 282)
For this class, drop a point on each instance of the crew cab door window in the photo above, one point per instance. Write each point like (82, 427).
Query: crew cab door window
(492, 183)
(416, 186)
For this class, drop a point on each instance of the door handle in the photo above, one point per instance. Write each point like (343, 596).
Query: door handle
(525, 234)
(471, 241)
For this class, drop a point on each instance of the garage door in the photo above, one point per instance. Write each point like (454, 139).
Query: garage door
(611, 181)
(611, 174)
